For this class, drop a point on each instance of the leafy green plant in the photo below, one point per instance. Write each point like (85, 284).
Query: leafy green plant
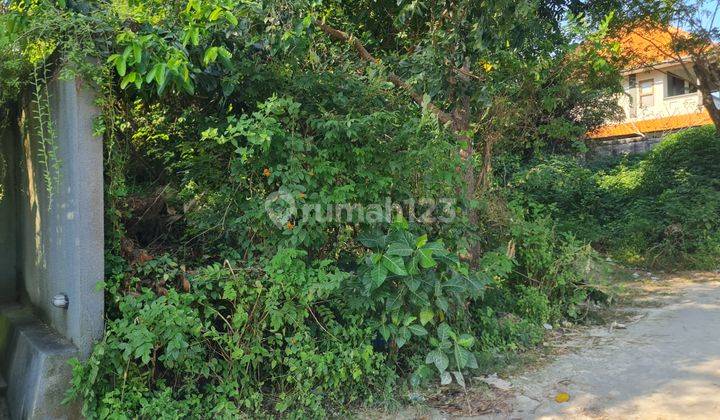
(418, 290)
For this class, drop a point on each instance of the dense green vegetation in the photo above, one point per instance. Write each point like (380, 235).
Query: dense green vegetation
(219, 115)
(657, 210)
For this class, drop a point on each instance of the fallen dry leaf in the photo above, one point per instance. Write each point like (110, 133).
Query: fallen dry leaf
(562, 397)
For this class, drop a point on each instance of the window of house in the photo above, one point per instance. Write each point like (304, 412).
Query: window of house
(632, 87)
(647, 93)
(679, 86)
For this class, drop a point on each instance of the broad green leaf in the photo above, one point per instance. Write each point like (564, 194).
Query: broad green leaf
(160, 72)
(472, 360)
(404, 237)
(230, 17)
(400, 249)
(400, 222)
(437, 247)
(394, 264)
(418, 330)
(121, 65)
(215, 14)
(460, 356)
(426, 315)
(195, 36)
(189, 87)
(426, 259)
(210, 55)
(442, 303)
(459, 378)
(150, 75)
(451, 260)
(421, 241)
(445, 378)
(137, 53)
(444, 331)
(224, 53)
(129, 78)
(372, 240)
(413, 284)
(439, 359)
(413, 266)
(378, 275)
(466, 340)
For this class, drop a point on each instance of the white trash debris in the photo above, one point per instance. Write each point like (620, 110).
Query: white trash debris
(496, 382)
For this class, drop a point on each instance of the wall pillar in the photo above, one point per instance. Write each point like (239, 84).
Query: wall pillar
(51, 243)
(61, 229)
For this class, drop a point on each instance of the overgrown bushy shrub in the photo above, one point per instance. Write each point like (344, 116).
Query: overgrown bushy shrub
(300, 336)
(307, 317)
(268, 337)
(659, 210)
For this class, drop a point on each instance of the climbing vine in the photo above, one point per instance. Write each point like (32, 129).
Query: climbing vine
(42, 42)
(45, 129)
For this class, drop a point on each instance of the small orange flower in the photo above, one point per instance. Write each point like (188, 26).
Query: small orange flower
(290, 225)
(266, 172)
(302, 195)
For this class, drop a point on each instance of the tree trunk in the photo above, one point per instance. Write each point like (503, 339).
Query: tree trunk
(486, 171)
(708, 83)
(712, 110)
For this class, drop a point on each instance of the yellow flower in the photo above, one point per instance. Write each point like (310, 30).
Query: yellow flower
(266, 172)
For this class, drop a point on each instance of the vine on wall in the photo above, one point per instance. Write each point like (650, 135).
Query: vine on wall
(45, 129)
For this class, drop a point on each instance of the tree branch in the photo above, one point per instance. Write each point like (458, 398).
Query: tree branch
(365, 55)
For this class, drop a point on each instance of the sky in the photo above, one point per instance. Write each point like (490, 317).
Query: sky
(708, 10)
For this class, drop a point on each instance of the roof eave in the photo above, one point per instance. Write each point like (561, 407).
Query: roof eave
(655, 66)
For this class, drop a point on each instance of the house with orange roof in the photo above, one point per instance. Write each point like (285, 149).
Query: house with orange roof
(660, 94)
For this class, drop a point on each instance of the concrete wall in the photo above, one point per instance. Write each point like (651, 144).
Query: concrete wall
(8, 223)
(61, 234)
(626, 146)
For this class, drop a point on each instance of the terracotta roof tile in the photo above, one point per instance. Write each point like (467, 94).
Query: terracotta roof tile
(645, 45)
(655, 125)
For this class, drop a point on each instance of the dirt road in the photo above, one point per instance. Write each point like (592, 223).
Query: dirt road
(664, 363)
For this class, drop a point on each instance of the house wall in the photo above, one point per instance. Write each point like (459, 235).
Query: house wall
(664, 105)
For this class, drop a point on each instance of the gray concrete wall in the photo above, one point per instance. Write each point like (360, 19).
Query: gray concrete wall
(34, 361)
(8, 222)
(61, 234)
(626, 146)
